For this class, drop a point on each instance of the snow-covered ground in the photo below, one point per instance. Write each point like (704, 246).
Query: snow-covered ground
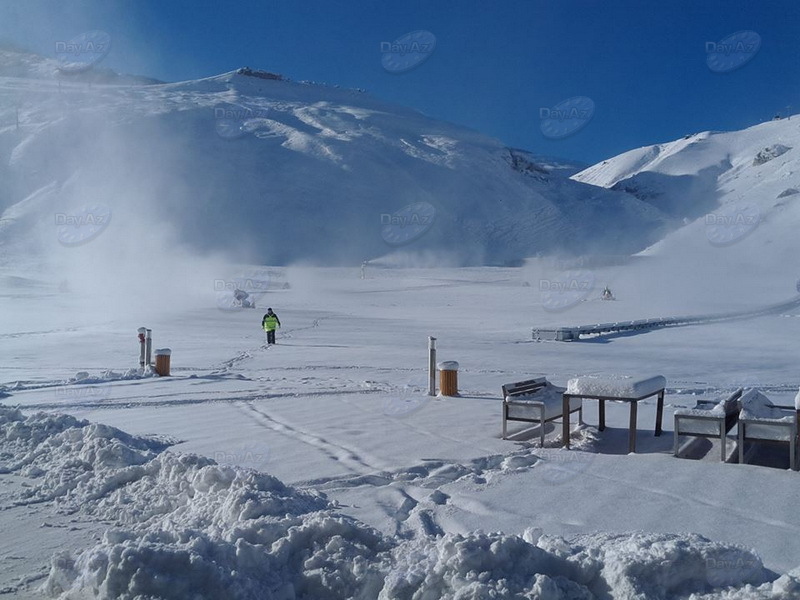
(338, 408)
(319, 468)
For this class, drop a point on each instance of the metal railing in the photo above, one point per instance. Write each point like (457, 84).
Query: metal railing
(570, 334)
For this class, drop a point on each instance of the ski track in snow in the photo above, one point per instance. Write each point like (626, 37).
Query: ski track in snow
(249, 354)
(179, 399)
(337, 452)
(19, 334)
(434, 435)
(431, 473)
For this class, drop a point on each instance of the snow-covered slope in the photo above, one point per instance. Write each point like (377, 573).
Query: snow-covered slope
(15, 62)
(739, 194)
(282, 171)
(698, 174)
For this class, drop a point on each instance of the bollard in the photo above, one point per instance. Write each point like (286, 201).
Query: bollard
(431, 366)
(162, 361)
(142, 331)
(148, 348)
(448, 377)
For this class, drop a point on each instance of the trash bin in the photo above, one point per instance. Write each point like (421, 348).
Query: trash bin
(448, 378)
(162, 361)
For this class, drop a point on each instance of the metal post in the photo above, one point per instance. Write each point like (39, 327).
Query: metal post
(142, 331)
(148, 349)
(431, 366)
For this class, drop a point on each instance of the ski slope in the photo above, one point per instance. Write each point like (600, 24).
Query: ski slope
(339, 408)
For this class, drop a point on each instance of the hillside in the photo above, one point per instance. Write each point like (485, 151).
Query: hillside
(739, 195)
(275, 171)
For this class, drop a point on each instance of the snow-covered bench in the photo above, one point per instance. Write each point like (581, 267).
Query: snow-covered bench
(762, 421)
(709, 419)
(625, 388)
(535, 401)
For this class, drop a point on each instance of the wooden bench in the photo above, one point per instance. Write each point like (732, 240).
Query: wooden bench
(708, 419)
(535, 401)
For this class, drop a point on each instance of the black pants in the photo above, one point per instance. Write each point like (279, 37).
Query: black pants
(271, 336)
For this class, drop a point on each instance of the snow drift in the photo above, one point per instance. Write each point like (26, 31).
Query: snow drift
(184, 526)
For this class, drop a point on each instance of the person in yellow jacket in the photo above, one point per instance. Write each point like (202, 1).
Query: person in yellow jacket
(270, 323)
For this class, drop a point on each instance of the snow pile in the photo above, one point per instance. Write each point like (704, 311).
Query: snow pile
(70, 459)
(189, 528)
(480, 565)
(620, 386)
(722, 407)
(649, 566)
(309, 556)
(546, 394)
(766, 421)
(757, 407)
(703, 410)
(107, 376)
(628, 566)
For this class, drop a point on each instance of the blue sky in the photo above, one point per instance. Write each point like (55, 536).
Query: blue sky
(495, 65)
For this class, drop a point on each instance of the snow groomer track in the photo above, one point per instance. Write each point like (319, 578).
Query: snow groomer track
(571, 334)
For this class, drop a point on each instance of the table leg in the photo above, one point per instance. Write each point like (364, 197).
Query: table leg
(632, 435)
(564, 420)
(659, 412)
(602, 426)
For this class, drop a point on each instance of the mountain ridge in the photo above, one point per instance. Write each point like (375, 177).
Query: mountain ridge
(275, 171)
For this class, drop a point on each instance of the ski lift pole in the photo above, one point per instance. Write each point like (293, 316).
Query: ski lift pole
(431, 366)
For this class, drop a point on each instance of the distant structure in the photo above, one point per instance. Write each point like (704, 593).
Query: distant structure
(260, 74)
(572, 334)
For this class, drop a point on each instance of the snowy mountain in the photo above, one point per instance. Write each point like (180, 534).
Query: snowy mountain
(16, 62)
(739, 195)
(752, 174)
(276, 171)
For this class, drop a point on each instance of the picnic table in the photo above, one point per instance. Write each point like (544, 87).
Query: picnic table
(621, 388)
